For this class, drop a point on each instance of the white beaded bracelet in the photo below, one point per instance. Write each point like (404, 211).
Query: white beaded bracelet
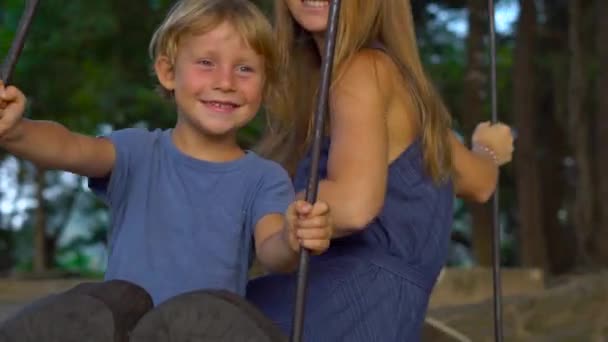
(484, 149)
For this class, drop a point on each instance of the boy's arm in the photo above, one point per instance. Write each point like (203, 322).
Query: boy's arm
(278, 239)
(272, 245)
(52, 146)
(268, 215)
(48, 144)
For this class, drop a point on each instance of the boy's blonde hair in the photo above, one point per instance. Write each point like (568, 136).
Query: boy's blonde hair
(194, 17)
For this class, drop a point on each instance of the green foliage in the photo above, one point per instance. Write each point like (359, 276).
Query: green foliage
(86, 65)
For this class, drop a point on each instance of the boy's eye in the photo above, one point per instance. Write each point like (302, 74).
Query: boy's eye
(205, 62)
(245, 68)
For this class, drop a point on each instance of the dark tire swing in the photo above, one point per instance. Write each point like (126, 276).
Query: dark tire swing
(93, 312)
(207, 315)
(120, 311)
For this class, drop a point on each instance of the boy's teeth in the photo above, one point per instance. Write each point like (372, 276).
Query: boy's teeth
(316, 3)
(222, 105)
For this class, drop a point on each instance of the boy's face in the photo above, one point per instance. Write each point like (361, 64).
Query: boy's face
(217, 81)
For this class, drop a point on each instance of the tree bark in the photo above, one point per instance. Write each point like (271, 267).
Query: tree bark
(40, 222)
(600, 239)
(578, 121)
(533, 248)
(561, 251)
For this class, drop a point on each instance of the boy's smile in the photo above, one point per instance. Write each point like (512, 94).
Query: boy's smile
(226, 107)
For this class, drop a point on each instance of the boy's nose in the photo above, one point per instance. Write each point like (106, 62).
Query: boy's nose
(224, 80)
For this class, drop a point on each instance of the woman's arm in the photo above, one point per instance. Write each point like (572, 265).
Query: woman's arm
(475, 176)
(477, 169)
(358, 158)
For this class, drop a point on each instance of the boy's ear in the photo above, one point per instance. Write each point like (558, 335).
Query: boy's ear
(164, 72)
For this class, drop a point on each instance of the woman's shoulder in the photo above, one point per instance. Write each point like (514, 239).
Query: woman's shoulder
(368, 70)
(367, 60)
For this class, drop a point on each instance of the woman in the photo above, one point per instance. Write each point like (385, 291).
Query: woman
(390, 167)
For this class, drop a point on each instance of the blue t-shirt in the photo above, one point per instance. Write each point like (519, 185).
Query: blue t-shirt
(180, 224)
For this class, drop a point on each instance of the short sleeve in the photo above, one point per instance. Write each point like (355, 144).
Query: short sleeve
(128, 145)
(274, 194)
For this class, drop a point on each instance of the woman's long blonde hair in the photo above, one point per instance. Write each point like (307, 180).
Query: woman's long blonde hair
(362, 22)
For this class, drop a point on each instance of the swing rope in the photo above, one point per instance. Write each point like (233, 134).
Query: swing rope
(498, 333)
(313, 180)
(17, 45)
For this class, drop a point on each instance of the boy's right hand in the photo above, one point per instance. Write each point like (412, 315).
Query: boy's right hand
(309, 226)
(12, 106)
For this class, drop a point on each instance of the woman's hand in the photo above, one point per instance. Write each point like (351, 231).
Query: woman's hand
(495, 141)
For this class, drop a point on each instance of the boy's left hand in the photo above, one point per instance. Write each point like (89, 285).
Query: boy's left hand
(309, 226)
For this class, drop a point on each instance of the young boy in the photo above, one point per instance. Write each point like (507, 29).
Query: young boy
(188, 206)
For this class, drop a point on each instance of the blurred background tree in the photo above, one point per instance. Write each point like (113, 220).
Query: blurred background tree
(94, 75)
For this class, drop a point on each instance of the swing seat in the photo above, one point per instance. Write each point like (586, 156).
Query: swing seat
(105, 311)
(206, 315)
(118, 311)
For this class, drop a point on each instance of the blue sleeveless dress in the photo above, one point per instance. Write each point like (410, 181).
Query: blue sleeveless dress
(373, 285)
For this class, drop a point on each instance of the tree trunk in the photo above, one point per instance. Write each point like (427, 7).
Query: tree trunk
(533, 249)
(40, 221)
(578, 121)
(561, 251)
(475, 82)
(600, 239)
(6, 250)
